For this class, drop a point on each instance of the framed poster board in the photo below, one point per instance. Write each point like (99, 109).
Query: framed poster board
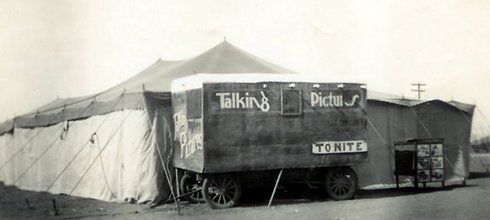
(428, 160)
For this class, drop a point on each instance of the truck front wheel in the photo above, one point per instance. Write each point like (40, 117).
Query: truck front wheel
(191, 189)
(341, 183)
(221, 191)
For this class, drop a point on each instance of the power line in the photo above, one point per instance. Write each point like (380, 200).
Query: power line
(418, 90)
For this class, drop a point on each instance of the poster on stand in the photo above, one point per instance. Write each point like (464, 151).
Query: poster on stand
(437, 175)
(436, 150)
(423, 175)
(423, 150)
(437, 162)
(423, 163)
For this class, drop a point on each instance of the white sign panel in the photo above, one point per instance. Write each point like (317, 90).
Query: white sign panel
(339, 147)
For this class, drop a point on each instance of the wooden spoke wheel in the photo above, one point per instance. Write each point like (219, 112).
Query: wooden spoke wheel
(221, 191)
(341, 183)
(191, 189)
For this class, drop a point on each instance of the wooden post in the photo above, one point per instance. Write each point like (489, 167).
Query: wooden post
(177, 183)
(397, 182)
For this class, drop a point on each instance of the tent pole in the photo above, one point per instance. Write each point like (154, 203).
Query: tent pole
(165, 170)
(275, 188)
(177, 182)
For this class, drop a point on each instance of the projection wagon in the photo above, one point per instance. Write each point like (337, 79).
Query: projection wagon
(237, 130)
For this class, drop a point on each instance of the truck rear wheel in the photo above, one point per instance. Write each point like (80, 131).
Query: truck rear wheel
(191, 189)
(221, 191)
(341, 183)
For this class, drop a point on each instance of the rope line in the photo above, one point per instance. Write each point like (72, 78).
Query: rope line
(13, 125)
(102, 166)
(23, 146)
(388, 147)
(49, 147)
(379, 135)
(165, 168)
(430, 135)
(83, 146)
(89, 140)
(99, 154)
(4, 150)
(37, 159)
(421, 122)
(66, 167)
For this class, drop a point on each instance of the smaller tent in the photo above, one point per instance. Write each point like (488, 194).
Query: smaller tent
(392, 118)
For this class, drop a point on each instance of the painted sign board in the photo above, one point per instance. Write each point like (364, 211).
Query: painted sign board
(339, 147)
(241, 126)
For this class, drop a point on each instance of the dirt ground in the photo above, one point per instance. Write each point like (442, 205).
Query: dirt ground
(451, 202)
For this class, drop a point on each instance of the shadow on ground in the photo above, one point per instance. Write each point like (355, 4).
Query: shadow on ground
(300, 193)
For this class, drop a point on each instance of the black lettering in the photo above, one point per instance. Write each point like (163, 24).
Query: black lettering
(327, 147)
(350, 145)
(337, 146)
(319, 147)
(358, 146)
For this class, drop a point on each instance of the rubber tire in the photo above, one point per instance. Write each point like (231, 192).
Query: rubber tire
(211, 180)
(186, 179)
(344, 172)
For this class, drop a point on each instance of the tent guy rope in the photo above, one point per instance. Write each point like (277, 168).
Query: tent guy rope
(430, 135)
(26, 144)
(99, 154)
(165, 168)
(81, 148)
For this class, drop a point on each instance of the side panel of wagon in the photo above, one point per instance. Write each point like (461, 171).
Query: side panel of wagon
(270, 125)
(188, 124)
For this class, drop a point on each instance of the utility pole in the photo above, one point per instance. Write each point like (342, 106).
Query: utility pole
(418, 90)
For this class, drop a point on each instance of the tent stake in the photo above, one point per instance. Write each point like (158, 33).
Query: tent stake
(28, 203)
(55, 209)
(275, 188)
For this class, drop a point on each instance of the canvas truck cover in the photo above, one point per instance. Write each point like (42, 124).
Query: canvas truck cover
(244, 122)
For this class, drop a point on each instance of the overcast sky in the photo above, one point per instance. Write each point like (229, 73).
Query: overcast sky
(59, 48)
